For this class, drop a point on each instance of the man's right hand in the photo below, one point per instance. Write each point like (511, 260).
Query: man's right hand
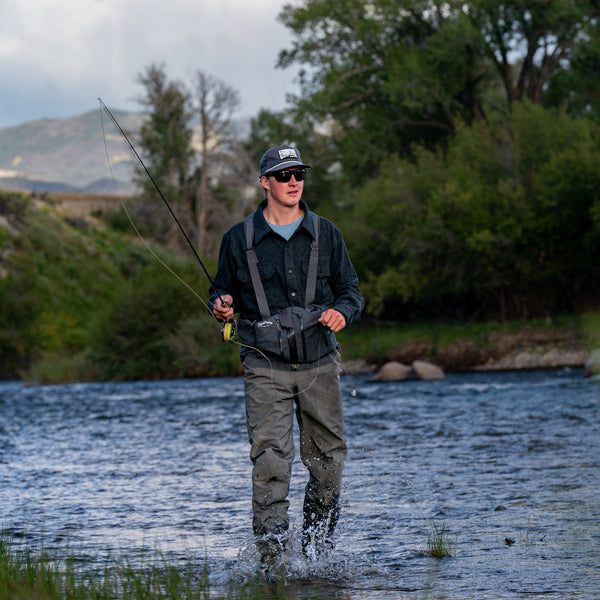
(223, 309)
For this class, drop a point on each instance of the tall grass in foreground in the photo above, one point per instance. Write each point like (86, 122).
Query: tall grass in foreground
(26, 574)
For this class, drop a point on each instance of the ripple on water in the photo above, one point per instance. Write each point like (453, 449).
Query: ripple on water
(136, 467)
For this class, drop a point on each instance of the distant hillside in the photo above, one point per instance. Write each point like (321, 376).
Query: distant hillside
(67, 154)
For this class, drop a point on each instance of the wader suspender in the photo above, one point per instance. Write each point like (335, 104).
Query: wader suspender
(311, 278)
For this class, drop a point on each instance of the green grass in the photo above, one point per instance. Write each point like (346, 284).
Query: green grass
(439, 544)
(374, 342)
(590, 329)
(26, 574)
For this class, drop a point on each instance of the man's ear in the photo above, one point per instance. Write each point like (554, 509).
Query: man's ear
(264, 180)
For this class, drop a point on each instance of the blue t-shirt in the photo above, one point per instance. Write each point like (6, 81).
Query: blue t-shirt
(286, 231)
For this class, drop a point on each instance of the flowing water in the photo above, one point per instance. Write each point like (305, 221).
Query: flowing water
(507, 463)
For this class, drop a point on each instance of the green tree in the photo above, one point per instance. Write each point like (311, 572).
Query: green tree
(349, 48)
(392, 73)
(533, 41)
(214, 103)
(190, 142)
(499, 224)
(132, 339)
(19, 314)
(577, 88)
(165, 139)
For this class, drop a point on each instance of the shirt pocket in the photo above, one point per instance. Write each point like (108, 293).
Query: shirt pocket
(265, 271)
(323, 293)
(243, 276)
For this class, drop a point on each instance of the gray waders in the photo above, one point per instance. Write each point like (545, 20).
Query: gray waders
(273, 388)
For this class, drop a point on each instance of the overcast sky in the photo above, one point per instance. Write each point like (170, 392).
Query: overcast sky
(58, 56)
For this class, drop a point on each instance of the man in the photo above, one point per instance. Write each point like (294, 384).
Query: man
(287, 360)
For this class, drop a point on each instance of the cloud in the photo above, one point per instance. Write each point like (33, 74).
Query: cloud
(56, 58)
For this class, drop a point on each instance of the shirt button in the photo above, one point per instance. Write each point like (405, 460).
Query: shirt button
(290, 270)
(293, 294)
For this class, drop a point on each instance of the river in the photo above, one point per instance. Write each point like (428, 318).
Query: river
(507, 463)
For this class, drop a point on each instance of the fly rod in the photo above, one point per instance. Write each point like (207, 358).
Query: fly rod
(228, 330)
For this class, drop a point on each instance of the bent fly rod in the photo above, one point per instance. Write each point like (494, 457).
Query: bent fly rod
(228, 330)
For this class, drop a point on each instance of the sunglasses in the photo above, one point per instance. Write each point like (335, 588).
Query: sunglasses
(285, 175)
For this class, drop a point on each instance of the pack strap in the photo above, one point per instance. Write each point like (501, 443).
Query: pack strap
(313, 263)
(259, 291)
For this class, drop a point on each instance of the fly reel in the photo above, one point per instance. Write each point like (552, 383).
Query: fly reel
(228, 332)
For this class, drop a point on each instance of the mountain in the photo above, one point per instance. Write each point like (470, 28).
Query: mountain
(49, 155)
(69, 155)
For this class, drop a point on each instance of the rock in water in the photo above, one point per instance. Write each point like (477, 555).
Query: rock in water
(592, 366)
(396, 371)
(425, 370)
(392, 371)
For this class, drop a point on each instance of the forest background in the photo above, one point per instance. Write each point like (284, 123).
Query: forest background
(456, 144)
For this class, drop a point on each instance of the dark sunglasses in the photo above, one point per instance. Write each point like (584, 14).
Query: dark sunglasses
(285, 175)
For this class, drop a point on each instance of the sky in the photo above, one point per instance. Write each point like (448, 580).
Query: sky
(57, 57)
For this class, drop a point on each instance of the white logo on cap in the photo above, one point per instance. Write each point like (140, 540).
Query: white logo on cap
(287, 153)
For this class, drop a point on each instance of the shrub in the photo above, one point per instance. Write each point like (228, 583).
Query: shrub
(132, 337)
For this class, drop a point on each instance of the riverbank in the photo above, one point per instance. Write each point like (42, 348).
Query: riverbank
(528, 347)
(83, 301)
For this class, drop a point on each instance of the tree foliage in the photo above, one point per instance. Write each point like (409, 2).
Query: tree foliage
(19, 308)
(193, 155)
(463, 151)
(213, 103)
(392, 73)
(503, 223)
(543, 35)
(131, 340)
(166, 136)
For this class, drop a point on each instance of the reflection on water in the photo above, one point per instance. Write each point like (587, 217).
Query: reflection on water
(140, 466)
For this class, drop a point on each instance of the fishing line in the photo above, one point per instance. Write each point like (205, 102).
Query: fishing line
(132, 148)
(229, 328)
(137, 231)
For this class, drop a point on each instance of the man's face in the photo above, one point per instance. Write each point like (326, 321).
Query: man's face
(284, 193)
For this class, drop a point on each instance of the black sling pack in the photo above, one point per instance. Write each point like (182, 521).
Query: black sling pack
(294, 334)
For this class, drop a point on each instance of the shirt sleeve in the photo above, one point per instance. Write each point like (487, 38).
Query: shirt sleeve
(348, 298)
(224, 280)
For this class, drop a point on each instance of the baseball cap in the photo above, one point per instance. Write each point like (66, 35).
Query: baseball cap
(280, 157)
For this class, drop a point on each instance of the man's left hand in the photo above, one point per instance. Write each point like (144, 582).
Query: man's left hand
(333, 319)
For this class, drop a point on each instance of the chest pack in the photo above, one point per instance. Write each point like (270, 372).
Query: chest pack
(293, 334)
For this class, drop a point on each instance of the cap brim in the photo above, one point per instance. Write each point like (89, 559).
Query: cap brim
(285, 165)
